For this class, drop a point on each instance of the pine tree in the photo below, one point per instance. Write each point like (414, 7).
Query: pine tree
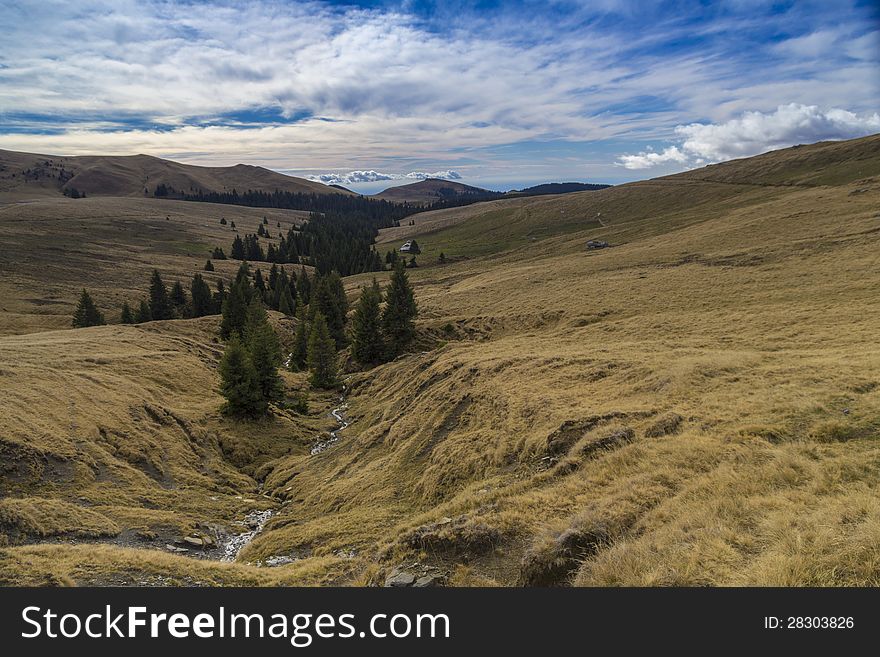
(286, 304)
(321, 357)
(87, 313)
(327, 302)
(127, 317)
(400, 311)
(238, 382)
(202, 303)
(178, 296)
(300, 352)
(143, 313)
(160, 305)
(442, 258)
(222, 221)
(237, 252)
(366, 326)
(304, 287)
(209, 266)
(273, 276)
(259, 283)
(265, 352)
(235, 308)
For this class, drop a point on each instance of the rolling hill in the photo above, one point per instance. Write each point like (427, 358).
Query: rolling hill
(698, 404)
(430, 190)
(28, 175)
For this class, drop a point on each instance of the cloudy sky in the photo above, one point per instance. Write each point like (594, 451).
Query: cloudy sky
(500, 94)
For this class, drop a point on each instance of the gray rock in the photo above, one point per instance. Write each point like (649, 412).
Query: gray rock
(427, 580)
(194, 541)
(400, 580)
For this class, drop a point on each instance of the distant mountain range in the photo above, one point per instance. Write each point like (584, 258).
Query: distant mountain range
(27, 175)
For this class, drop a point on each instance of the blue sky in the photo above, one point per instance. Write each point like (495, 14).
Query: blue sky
(499, 94)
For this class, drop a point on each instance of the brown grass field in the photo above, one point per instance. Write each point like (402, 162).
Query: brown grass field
(697, 405)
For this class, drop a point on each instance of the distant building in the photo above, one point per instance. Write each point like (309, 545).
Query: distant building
(411, 246)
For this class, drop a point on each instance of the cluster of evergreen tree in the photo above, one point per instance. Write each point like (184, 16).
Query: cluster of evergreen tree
(342, 243)
(175, 304)
(87, 313)
(378, 333)
(246, 249)
(249, 378)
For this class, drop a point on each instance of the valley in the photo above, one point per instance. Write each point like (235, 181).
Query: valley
(698, 404)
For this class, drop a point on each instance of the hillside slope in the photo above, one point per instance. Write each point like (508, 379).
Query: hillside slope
(697, 405)
(28, 175)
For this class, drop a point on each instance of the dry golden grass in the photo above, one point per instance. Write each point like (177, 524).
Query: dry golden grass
(56, 247)
(698, 405)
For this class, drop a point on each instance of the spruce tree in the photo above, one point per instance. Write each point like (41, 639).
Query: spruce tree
(209, 266)
(143, 313)
(235, 308)
(321, 358)
(202, 303)
(160, 304)
(286, 305)
(87, 313)
(300, 352)
(304, 287)
(178, 297)
(366, 326)
(237, 252)
(273, 276)
(238, 382)
(398, 323)
(265, 355)
(326, 301)
(127, 317)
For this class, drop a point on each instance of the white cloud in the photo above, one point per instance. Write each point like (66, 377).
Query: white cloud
(757, 132)
(649, 158)
(356, 177)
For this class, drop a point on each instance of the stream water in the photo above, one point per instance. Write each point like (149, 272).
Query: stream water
(338, 414)
(256, 520)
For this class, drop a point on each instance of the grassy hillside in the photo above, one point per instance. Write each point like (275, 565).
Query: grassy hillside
(55, 247)
(30, 175)
(697, 405)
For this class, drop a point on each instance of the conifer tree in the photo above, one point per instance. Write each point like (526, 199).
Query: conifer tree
(219, 296)
(202, 303)
(178, 296)
(304, 287)
(238, 382)
(321, 357)
(127, 317)
(265, 353)
(273, 276)
(87, 313)
(237, 252)
(300, 352)
(160, 304)
(143, 313)
(234, 310)
(209, 266)
(259, 283)
(398, 323)
(327, 302)
(366, 326)
(287, 305)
